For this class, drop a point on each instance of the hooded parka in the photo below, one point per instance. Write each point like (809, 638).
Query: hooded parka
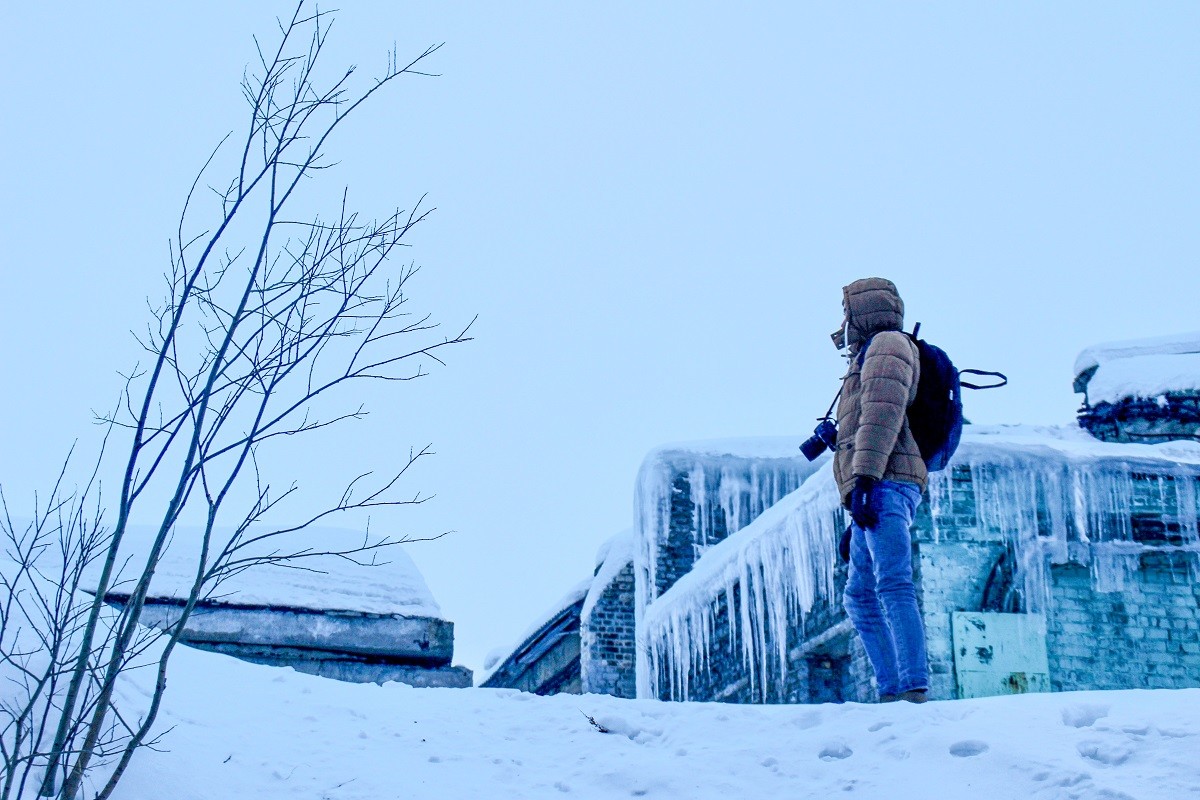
(873, 435)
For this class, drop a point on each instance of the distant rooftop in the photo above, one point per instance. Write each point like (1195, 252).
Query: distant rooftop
(1141, 390)
(1146, 356)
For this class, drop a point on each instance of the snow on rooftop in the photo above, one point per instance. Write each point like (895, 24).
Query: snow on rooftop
(1100, 354)
(1068, 442)
(394, 585)
(1147, 376)
(499, 655)
(613, 556)
(608, 544)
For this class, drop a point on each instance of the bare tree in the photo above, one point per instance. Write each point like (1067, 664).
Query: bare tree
(267, 319)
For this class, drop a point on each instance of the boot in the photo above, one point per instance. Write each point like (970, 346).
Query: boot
(914, 696)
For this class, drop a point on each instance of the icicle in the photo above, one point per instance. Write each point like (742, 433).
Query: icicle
(727, 492)
(778, 567)
(1041, 499)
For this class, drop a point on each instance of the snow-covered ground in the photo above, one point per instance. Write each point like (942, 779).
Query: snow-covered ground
(242, 730)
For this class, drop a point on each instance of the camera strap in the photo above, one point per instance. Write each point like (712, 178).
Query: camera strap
(836, 397)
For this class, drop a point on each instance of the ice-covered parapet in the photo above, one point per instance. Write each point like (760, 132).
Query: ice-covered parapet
(691, 496)
(1055, 494)
(760, 582)
(1141, 390)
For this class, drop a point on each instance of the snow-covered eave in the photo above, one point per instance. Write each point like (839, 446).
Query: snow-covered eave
(1098, 354)
(567, 606)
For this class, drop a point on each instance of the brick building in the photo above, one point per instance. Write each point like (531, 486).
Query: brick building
(1045, 558)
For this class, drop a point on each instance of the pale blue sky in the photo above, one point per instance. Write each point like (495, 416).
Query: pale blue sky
(652, 207)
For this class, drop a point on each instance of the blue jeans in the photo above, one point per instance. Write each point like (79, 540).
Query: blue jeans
(880, 597)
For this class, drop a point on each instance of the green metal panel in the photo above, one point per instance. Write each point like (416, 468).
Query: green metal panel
(999, 653)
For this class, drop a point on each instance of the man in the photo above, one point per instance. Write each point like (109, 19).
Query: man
(880, 474)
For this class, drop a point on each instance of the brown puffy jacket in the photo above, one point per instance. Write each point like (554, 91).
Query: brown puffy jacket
(873, 435)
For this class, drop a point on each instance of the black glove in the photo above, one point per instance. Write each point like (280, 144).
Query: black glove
(844, 545)
(861, 511)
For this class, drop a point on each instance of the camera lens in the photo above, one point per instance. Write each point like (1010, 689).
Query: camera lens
(823, 438)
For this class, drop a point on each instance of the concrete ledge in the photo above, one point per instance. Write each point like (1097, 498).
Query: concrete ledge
(343, 667)
(416, 640)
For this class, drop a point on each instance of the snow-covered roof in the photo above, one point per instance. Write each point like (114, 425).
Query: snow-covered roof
(713, 569)
(499, 656)
(1068, 441)
(740, 477)
(1146, 376)
(1099, 354)
(393, 585)
(1145, 368)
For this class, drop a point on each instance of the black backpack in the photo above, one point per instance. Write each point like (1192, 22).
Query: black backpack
(936, 415)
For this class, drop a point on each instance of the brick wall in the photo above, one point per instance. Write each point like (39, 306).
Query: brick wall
(608, 654)
(1146, 636)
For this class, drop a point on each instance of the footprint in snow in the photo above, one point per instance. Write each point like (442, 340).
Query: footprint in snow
(1105, 753)
(835, 751)
(1173, 733)
(1083, 715)
(810, 719)
(878, 726)
(968, 748)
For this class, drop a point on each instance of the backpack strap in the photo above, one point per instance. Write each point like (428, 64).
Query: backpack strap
(1003, 379)
(965, 384)
(862, 352)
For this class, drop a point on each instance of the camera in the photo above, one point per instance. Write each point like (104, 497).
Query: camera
(823, 438)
